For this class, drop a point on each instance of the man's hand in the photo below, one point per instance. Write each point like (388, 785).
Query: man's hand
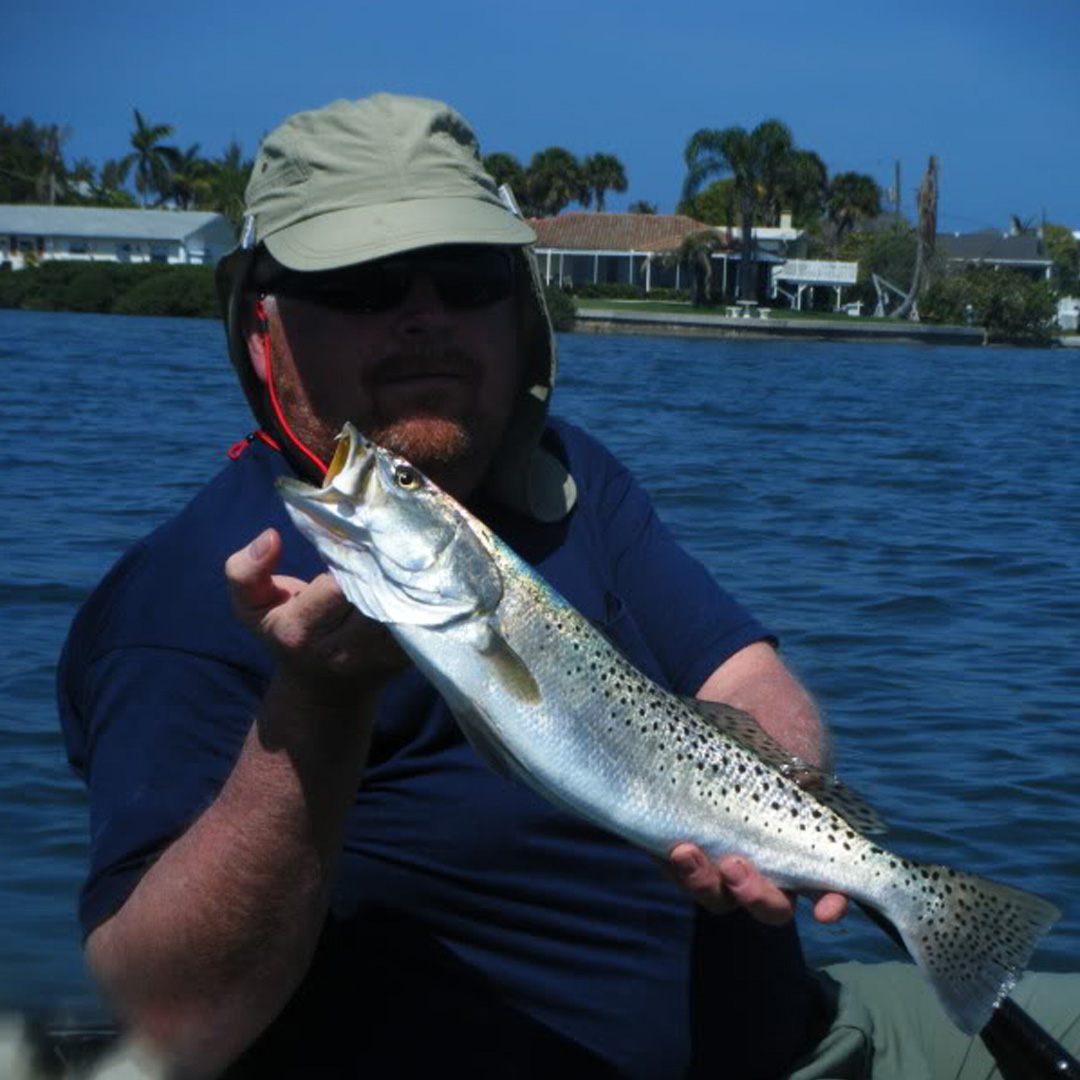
(317, 637)
(734, 882)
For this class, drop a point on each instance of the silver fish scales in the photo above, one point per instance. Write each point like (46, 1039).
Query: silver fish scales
(544, 697)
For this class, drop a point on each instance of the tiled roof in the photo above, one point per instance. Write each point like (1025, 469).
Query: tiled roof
(583, 231)
(94, 221)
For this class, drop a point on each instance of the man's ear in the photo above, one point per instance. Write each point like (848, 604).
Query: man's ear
(257, 335)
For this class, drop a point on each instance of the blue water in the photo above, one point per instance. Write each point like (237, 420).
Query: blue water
(907, 518)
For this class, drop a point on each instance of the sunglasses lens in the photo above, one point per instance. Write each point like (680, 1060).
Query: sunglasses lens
(464, 277)
(475, 279)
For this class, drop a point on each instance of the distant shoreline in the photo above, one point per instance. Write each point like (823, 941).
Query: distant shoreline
(612, 321)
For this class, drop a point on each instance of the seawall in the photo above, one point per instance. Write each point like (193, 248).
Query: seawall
(613, 321)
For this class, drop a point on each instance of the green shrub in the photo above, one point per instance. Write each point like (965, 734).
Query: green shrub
(561, 308)
(1008, 304)
(609, 291)
(14, 287)
(186, 291)
(121, 288)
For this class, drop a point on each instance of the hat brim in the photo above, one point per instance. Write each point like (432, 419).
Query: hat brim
(359, 234)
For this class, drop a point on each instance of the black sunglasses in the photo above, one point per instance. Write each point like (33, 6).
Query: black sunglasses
(465, 277)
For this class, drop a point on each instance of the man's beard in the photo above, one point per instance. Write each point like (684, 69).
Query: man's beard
(426, 441)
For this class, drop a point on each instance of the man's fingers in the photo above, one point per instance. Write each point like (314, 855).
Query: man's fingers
(830, 907)
(735, 882)
(754, 892)
(317, 609)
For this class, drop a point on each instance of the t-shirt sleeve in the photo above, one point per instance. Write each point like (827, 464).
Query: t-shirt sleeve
(162, 730)
(691, 624)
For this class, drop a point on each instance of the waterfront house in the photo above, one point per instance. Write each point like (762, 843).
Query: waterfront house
(581, 248)
(1024, 252)
(35, 234)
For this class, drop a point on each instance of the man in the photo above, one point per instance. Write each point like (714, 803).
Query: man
(298, 865)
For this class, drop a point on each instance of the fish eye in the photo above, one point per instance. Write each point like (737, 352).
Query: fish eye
(406, 477)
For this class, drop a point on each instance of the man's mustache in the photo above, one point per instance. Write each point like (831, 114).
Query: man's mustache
(425, 360)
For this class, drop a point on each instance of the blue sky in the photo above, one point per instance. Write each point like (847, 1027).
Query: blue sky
(992, 88)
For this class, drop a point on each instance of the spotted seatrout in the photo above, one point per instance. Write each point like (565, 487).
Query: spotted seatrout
(544, 697)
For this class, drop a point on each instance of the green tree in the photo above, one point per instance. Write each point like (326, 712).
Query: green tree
(603, 173)
(643, 206)
(715, 205)
(757, 162)
(506, 169)
(801, 187)
(695, 254)
(554, 180)
(227, 181)
(189, 179)
(31, 162)
(852, 197)
(52, 178)
(152, 161)
(890, 253)
(1061, 246)
(1007, 304)
(108, 189)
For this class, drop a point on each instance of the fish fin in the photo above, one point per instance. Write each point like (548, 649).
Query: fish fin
(487, 748)
(513, 672)
(971, 937)
(823, 786)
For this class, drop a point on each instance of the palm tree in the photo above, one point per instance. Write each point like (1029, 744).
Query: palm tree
(852, 196)
(227, 182)
(152, 161)
(927, 236)
(506, 169)
(603, 173)
(189, 179)
(695, 252)
(756, 161)
(554, 180)
(802, 189)
(109, 189)
(53, 173)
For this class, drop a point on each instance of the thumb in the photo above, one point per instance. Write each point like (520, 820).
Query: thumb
(249, 573)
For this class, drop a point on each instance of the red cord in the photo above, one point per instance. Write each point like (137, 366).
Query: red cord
(238, 448)
(279, 413)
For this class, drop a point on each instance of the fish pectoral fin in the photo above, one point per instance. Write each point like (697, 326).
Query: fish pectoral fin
(513, 672)
(487, 748)
(823, 786)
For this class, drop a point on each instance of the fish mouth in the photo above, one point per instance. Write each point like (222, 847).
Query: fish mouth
(348, 475)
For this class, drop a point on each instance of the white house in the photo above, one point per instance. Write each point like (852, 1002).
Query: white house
(90, 233)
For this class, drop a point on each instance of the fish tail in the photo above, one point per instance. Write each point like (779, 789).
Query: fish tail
(971, 937)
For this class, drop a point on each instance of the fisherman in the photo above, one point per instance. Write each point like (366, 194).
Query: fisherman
(298, 865)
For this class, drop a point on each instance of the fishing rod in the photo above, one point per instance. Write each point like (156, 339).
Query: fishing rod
(1022, 1048)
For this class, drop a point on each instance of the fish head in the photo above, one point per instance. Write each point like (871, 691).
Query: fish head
(403, 551)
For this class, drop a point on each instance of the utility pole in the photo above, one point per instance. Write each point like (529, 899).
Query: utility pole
(896, 192)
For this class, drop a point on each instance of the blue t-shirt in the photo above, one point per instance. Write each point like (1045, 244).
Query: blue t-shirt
(472, 925)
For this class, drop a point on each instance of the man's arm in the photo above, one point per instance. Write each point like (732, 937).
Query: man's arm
(220, 930)
(756, 680)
